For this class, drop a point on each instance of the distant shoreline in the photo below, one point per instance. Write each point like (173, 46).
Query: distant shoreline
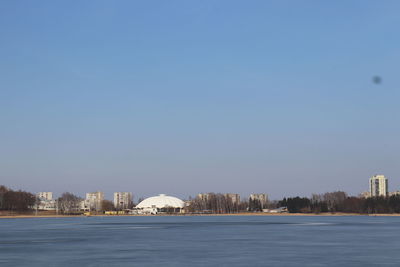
(25, 216)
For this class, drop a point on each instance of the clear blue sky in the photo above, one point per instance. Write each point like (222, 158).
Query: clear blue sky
(182, 97)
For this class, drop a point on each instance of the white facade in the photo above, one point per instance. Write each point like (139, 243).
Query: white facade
(378, 186)
(45, 195)
(122, 200)
(46, 201)
(204, 196)
(263, 198)
(93, 201)
(161, 203)
(235, 198)
(47, 205)
(278, 210)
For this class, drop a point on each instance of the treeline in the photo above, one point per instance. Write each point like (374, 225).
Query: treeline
(328, 202)
(333, 202)
(341, 202)
(216, 203)
(67, 203)
(11, 200)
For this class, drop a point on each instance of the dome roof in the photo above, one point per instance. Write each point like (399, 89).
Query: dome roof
(161, 201)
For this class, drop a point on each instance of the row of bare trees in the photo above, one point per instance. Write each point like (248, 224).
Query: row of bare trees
(11, 200)
(21, 201)
(216, 203)
(69, 203)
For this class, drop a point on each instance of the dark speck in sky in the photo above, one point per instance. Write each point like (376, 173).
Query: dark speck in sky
(377, 80)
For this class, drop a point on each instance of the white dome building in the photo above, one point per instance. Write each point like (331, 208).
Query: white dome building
(161, 203)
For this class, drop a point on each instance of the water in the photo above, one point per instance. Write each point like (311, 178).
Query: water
(201, 241)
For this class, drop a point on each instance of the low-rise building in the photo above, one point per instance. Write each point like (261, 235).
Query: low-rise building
(395, 193)
(115, 212)
(161, 204)
(45, 201)
(365, 195)
(278, 210)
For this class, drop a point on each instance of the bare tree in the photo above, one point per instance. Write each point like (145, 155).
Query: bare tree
(216, 203)
(335, 200)
(68, 203)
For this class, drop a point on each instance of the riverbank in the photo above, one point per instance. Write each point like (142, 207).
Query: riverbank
(22, 216)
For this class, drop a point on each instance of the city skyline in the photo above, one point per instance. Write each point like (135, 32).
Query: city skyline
(109, 194)
(377, 200)
(381, 189)
(137, 195)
